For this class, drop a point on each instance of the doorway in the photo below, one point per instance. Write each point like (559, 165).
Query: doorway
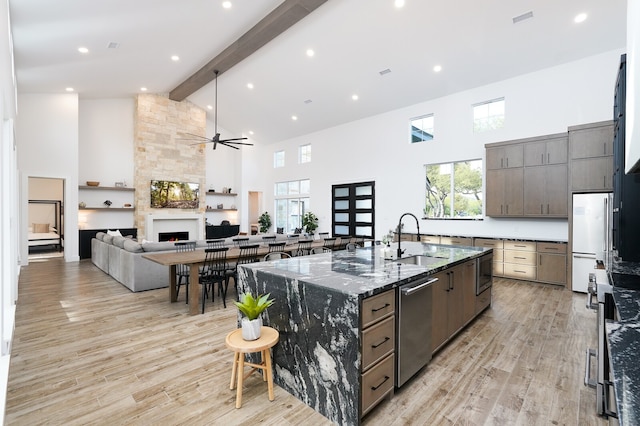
(254, 208)
(45, 217)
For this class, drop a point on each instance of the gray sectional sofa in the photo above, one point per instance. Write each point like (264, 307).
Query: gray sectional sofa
(121, 258)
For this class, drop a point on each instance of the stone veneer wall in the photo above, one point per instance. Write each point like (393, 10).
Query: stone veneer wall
(158, 122)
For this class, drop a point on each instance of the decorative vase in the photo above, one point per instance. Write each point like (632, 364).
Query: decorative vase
(251, 328)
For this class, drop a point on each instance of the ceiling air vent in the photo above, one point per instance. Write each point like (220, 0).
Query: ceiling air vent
(386, 71)
(113, 45)
(523, 17)
(308, 101)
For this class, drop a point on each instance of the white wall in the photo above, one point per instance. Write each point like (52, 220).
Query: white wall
(377, 148)
(47, 146)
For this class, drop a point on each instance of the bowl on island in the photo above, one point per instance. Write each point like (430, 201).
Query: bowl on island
(92, 183)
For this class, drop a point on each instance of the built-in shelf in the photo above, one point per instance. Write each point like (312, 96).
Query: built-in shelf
(226, 194)
(106, 208)
(108, 188)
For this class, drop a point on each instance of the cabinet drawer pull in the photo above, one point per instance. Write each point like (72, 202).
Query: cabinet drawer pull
(519, 245)
(522, 272)
(386, 339)
(382, 383)
(386, 305)
(519, 257)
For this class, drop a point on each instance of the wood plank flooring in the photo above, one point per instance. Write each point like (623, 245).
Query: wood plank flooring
(88, 351)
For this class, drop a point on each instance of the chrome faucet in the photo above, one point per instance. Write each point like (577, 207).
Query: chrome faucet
(400, 231)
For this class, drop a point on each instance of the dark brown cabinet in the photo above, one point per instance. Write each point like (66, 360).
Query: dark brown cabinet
(505, 157)
(551, 149)
(545, 191)
(505, 192)
(591, 157)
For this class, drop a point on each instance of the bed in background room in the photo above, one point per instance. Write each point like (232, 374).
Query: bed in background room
(45, 222)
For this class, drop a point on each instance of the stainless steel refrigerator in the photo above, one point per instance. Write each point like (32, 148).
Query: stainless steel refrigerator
(590, 235)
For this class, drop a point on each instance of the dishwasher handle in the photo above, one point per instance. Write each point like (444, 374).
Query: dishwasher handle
(410, 290)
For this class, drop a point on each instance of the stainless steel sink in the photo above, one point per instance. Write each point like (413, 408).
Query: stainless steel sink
(420, 260)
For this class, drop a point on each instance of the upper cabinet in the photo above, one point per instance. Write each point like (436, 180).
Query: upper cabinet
(501, 156)
(527, 177)
(591, 157)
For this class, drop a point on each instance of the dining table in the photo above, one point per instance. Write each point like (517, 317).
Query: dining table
(195, 259)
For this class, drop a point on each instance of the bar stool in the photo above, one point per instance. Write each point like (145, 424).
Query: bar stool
(234, 341)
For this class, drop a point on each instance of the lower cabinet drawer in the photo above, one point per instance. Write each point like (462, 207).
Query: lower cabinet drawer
(456, 241)
(377, 307)
(377, 383)
(483, 300)
(378, 341)
(431, 239)
(521, 272)
(520, 257)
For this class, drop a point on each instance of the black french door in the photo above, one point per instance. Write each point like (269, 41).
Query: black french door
(353, 210)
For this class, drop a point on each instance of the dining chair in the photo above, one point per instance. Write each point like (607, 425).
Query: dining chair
(215, 243)
(351, 246)
(292, 238)
(240, 241)
(268, 239)
(329, 243)
(303, 247)
(182, 271)
(323, 235)
(214, 271)
(275, 255)
(248, 254)
(277, 246)
(319, 250)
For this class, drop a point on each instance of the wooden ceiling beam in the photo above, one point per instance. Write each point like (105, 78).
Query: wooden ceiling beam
(275, 23)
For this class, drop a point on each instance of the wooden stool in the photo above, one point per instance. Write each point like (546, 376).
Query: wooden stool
(234, 341)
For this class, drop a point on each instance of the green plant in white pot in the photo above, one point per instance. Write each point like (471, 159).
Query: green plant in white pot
(310, 222)
(252, 308)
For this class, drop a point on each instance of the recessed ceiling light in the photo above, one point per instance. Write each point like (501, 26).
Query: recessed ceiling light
(226, 4)
(143, 89)
(209, 106)
(437, 68)
(175, 58)
(398, 3)
(251, 132)
(83, 50)
(354, 97)
(250, 85)
(69, 89)
(294, 117)
(310, 52)
(580, 18)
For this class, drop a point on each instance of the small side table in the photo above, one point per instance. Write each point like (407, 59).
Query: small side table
(234, 341)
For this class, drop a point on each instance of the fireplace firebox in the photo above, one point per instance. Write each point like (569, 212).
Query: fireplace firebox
(173, 236)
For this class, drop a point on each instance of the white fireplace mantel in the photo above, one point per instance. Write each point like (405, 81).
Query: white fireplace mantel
(192, 223)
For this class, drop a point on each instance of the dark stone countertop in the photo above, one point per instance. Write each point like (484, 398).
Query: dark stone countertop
(365, 272)
(623, 339)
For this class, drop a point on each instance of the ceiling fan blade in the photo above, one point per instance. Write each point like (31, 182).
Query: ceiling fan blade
(234, 139)
(196, 136)
(238, 143)
(226, 144)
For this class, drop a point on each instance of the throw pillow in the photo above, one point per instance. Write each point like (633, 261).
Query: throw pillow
(115, 233)
(40, 227)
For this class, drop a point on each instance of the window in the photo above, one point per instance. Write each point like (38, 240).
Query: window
(422, 128)
(291, 203)
(278, 159)
(454, 190)
(304, 154)
(488, 115)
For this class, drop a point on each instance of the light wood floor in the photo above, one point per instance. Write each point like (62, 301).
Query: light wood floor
(88, 351)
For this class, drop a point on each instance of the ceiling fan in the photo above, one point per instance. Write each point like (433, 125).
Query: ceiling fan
(215, 140)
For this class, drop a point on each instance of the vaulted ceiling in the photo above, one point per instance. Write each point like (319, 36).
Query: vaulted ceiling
(130, 44)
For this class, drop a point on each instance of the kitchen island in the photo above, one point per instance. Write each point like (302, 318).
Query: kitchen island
(319, 314)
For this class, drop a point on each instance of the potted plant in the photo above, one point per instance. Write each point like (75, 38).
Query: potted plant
(309, 222)
(265, 222)
(252, 308)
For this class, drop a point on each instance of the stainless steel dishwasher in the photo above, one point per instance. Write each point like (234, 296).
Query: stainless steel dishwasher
(414, 328)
